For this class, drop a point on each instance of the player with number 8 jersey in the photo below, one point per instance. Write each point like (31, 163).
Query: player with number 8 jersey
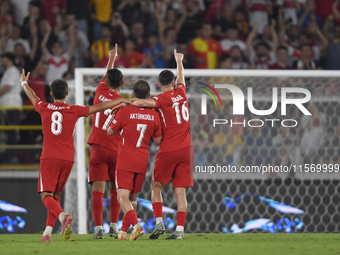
(57, 157)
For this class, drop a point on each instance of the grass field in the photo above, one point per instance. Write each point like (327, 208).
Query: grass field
(193, 244)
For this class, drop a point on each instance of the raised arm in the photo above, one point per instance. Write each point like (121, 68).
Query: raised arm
(46, 36)
(112, 57)
(180, 68)
(251, 38)
(110, 104)
(335, 10)
(29, 92)
(274, 34)
(73, 42)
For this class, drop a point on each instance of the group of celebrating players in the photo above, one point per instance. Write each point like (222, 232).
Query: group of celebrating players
(120, 137)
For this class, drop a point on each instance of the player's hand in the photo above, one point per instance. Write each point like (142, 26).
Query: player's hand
(114, 52)
(23, 77)
(178, 56)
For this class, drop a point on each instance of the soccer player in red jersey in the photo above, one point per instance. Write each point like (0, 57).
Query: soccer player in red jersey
(57, 157)
(176, 154)
(136, 126)
(104, 149)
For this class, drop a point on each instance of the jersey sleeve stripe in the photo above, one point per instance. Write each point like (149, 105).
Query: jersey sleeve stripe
(160, 110)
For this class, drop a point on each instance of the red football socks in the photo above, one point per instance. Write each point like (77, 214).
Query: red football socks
(181, 216)
(97, 207)
(50, 217)
(52, 206)
(125, 225)
(131, 217)
(157, 210)
(114, 207)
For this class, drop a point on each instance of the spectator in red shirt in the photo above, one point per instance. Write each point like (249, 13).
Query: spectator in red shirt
(133, 58)
(51, 8)
(281, 57)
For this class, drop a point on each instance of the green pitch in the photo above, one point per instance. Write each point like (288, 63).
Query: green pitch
(206, 244)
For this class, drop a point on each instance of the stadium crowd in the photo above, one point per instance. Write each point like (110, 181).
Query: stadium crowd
(50, 38)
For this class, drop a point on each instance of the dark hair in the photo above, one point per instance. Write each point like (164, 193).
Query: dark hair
(224, 57)
(35, 3)
(106, 26)
(114, 78)
(305, 45)
(18, 44)
(131, 39)
(153, 34)
(66, 73)
(59, 89)
(235, 47)
(166, 77)
(141, 89)
(281, 48)
(263, 43)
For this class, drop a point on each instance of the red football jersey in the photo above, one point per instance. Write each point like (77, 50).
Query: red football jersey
(174, 110)
(58, 123)
(101, 120)
(136, 126)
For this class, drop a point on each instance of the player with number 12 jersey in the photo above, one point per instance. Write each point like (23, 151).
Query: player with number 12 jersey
(104, 149)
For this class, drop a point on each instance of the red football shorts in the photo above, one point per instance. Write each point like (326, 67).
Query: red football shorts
(102, 164)
(53, 174)
(177, 165)
(129, 180)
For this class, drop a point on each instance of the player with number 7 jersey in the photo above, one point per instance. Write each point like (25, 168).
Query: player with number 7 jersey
(57, 157)
(175, 158)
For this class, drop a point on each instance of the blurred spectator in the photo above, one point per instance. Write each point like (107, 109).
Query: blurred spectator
(307, 15)
(237, 61)
(132, 58)
(233, 40)
(241, 24)
(323, 8)
(10, 90)
(100, 49)
(82, 44)
(267, 35)
(170, 22)
(306, 62)
(313, 134)
(101, 14)
(51, 9)
(34, 16)
(155, 51)
(333, 50)
(335, 11)
(187, 62)
(262, 56)
(258, 13)
(80, 9)
(290, 8)
(6, 14)
(169, 44)
(131, 11)
(119, 31)
(58, 61)
(281, 57)
(205, 50)
(215, 10)
(191, 24)
(222, 24)
(44, 29)
(224, 62)
(37, 81)
(15, 38)
(137, 33)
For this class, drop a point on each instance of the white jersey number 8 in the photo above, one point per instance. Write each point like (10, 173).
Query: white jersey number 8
(57, 119)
